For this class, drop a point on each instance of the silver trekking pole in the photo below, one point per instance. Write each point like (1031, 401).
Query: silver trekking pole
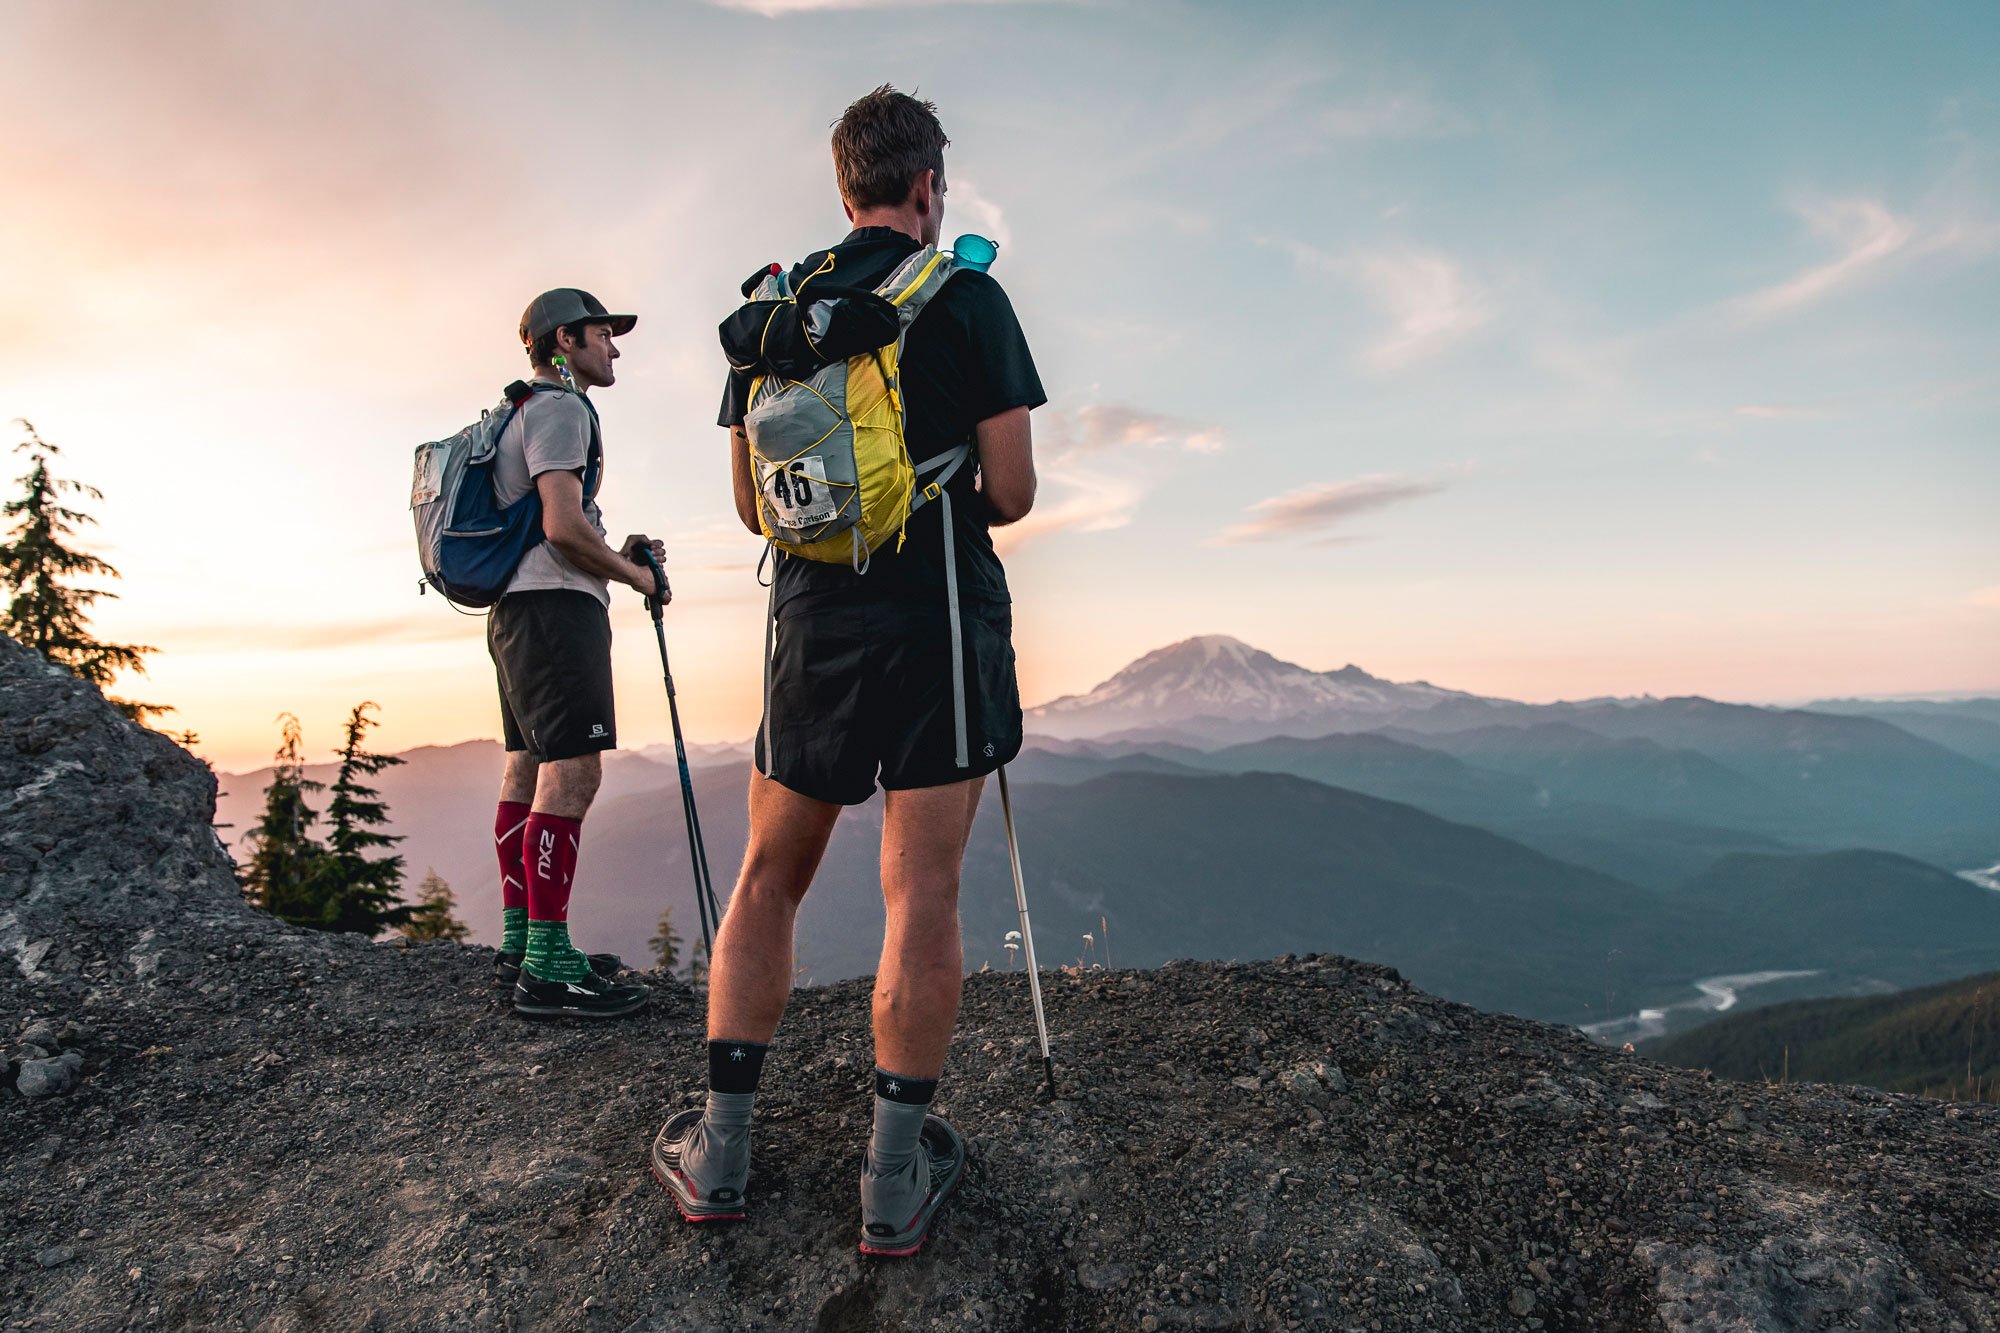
(1027, 931)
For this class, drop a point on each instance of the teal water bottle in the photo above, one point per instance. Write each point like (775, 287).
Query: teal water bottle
(975, 252)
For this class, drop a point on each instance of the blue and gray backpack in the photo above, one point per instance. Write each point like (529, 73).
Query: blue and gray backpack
(468, 543)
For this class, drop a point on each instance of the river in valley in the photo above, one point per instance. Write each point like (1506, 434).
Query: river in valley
(1714, 995)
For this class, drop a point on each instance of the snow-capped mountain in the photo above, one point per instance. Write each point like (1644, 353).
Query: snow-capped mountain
(1217, 679)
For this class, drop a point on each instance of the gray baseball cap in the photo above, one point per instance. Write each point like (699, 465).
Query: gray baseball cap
(567, 305)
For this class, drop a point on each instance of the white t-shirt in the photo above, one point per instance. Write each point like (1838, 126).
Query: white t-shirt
(550, 433)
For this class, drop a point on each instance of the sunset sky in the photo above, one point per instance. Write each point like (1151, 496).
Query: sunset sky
(1544, 351)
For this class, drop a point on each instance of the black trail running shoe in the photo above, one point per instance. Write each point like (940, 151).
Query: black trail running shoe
(592, 997)
(720, 1203)
(507, 966)
(896, 1210)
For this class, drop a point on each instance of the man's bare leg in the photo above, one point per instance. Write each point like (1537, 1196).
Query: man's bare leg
(517, 779)
(566, 787)
(751, 974)
(913, 1159)
(923, 968)
(703, 1157)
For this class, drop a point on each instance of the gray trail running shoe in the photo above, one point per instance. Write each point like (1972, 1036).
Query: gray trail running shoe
(706, 1178)
(896, 1209)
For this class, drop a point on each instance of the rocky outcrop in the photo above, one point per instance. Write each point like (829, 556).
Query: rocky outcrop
(104, 830)
(266, 1128)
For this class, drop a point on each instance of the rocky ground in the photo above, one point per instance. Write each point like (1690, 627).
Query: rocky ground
(210, 1120)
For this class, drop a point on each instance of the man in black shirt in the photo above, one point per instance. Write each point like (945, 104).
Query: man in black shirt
(862, 693)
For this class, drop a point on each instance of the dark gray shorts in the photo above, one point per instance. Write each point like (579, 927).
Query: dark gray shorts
(551, 649)
(861, 694)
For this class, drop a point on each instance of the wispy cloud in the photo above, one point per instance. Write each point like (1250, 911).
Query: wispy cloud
(1866, 233)
(1081, 489)
(1096, 427)
(1429, 298)
(1870, 238)
(1314, 508)
(1074, 499)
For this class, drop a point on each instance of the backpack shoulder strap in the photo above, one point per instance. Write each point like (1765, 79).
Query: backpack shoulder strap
(520, 391)
(916, 280)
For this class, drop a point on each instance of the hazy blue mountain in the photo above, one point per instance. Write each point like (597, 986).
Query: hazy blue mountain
(1160, 747)
(1859, 913)
(1210, 866)
(1986, 710)
(1969, 726)
(1656, 853)
(1829, 781)
(1256, 864)
(1391, 769)
(1847, 780)
(1569, 763)
(1039, 764)
(1943, 1040)
(1644, 849)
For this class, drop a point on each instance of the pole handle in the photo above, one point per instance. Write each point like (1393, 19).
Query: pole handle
(653, 603)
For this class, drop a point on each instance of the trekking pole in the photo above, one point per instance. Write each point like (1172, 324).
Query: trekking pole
(704, 888)
(1027, 931)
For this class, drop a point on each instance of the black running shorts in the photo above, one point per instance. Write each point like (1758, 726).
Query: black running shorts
(861, 693)
(551, 649)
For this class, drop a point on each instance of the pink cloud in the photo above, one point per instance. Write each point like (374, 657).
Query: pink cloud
(1311, 508)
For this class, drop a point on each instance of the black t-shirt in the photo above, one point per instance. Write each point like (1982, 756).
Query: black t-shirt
(965, 359)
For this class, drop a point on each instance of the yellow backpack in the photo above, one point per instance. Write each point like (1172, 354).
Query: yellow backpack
(825, 418)
(833, 470)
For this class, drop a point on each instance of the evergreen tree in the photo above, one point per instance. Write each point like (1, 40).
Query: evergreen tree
(285, 862)
(38, 565)
(359, 891)
(667, 943)
(434, 917)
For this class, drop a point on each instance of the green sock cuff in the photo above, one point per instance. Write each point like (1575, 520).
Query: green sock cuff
(513, 929)
(550, 955)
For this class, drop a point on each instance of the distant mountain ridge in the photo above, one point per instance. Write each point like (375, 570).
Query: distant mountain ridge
(1823, 780)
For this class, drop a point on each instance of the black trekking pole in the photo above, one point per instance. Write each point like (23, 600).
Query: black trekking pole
(704, 888)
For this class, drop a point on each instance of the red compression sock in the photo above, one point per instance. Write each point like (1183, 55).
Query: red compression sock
(549, 847)
(508, 843)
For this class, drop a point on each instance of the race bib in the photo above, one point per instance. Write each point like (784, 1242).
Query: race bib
(429, 478)
(797, 493)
